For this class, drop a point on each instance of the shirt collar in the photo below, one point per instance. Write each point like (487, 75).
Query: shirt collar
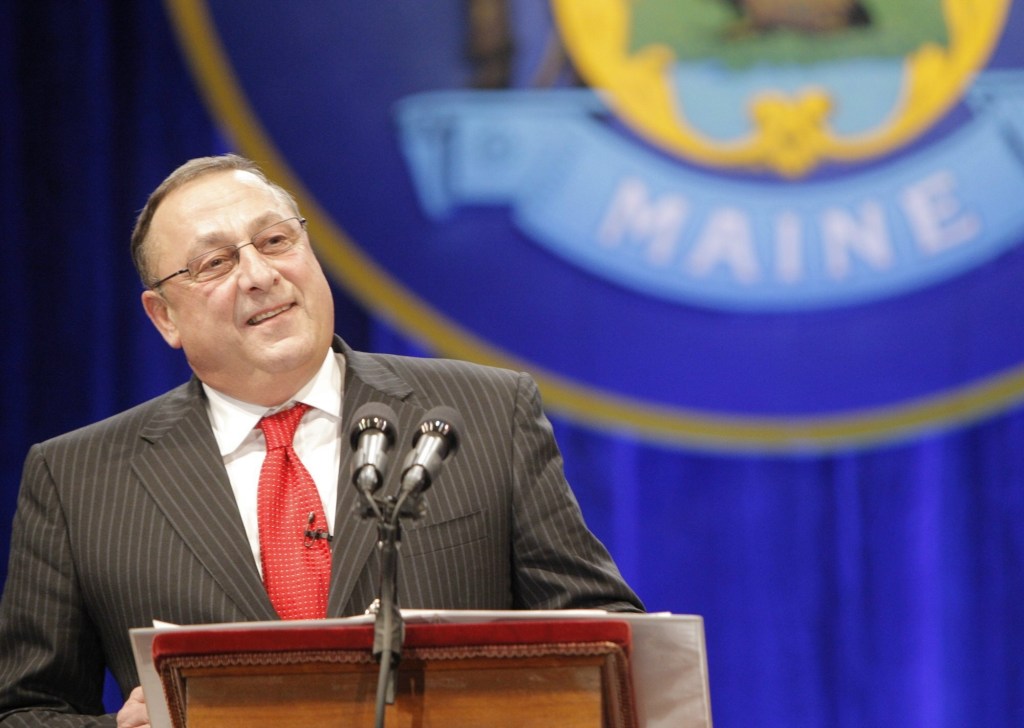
(234, 420)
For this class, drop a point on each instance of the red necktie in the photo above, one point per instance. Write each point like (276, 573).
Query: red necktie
(294, 546)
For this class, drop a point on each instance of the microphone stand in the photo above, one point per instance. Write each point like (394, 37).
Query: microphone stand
(388, 626)
(421, 465)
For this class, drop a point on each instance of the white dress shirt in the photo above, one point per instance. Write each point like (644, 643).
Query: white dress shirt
(317, 441)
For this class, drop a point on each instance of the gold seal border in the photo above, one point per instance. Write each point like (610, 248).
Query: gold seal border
(375, 288)
(791, 133)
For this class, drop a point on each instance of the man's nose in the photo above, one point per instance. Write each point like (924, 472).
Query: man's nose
(254, 270)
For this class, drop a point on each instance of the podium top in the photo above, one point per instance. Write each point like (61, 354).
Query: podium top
(260, 637)
(669, 656)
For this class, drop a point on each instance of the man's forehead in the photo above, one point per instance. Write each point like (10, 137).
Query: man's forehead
(217, 208)
(220, 188)
(232, 197)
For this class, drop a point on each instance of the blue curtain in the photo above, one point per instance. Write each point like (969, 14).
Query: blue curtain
(880, 587)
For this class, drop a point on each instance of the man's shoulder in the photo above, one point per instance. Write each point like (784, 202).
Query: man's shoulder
(127, 423)
(418, 371)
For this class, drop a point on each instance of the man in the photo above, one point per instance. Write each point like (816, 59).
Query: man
(158, 512)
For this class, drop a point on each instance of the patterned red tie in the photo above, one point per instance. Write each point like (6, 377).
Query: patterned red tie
(294, 546)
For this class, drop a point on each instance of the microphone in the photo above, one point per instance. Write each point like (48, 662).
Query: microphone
(435, 439)
(373, 434)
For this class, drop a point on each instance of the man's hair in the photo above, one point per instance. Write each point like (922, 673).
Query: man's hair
(184, 174)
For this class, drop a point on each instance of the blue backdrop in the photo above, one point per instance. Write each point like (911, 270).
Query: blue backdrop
(868, 586)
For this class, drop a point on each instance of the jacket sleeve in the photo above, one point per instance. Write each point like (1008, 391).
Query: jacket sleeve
(557, 562)
(51, 660)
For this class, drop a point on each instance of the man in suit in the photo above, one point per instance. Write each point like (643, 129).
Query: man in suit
(155, 513)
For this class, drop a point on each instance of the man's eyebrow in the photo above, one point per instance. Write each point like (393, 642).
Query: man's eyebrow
(264, 221)
(217, 239)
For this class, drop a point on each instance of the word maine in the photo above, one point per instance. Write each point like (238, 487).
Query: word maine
(783, 242)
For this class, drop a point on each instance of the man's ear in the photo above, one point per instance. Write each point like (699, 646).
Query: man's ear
(159, 313)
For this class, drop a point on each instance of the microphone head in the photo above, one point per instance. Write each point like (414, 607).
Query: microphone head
(444, 421)
(373, 416)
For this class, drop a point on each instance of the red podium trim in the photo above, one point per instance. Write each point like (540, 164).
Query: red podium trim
(176, 653)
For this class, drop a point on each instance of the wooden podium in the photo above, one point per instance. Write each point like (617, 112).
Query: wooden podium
(553, 672)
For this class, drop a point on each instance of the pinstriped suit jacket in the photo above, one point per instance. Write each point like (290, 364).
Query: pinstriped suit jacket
(133, 519)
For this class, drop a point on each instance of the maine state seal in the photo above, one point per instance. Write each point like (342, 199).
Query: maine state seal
(770, 225)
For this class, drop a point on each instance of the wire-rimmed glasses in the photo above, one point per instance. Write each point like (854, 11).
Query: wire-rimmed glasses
(270, 241)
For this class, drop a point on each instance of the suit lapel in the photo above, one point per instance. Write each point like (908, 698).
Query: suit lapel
(184, 473)
(366, 380)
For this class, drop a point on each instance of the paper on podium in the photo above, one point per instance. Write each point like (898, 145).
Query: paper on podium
(669, 660)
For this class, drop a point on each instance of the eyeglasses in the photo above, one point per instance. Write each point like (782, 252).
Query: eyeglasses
(270, 241)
